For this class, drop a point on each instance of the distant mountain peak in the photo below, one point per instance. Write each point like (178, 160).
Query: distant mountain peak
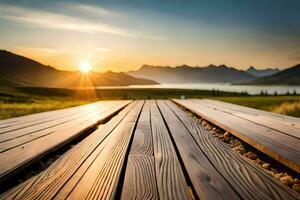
(223, 66)
(183, 66)
(289, 76)
(251, 68)
(261, 72)
(146, 66)
(109, 72)
(211, 66)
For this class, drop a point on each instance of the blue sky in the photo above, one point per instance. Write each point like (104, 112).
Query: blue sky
(122, 35)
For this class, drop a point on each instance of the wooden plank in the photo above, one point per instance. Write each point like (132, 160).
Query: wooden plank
(40, 124)
(140, 181)
(287, 120)
(27, 139)
(63, 175)
(277, 145)
(14, 139)
(267, 119)
(21, 136)
(17, 158)
(206, 180)
(6, 124)
(101, 180)
(45, 117)
(247, 179)
(48, 115)
(170, 178)
(142, 143)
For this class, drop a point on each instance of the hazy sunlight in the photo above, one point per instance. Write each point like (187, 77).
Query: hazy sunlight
(85, 66)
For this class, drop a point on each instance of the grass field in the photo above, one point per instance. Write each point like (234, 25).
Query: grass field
(9, 110)
(14, 102)
(288, 105)
(23, 101)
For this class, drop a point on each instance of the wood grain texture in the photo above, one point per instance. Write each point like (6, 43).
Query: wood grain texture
(247, 179)
(140, 181)
(266, 119)
(45, 131)
(16, 158)
(62, 176)
(169, 156)
(101, 179)
(35, 126)
(207, 182)
(43, 117)
(285, 119)
(17, 132)
(142, 143)
(277, 145)
(170, 178)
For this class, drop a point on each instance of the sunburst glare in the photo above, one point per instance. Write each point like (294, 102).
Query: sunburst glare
(85, 66)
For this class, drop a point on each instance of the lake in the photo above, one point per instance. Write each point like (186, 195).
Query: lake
(251, 89)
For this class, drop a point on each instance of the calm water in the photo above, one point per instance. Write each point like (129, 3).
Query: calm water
(251, 89)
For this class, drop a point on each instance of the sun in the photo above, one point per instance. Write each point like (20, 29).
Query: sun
(85, 66)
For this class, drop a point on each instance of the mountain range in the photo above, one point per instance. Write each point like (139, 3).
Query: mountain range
(187, 74)
(16, 70)
(218, 74)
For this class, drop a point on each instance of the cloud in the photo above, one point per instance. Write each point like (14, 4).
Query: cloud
(96, 10)
(42, 50)
(50, 20)
(103, 49)
(294, 58)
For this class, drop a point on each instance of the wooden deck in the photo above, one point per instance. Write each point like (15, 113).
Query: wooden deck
(25, 139)
(276, 135)
(149, 150)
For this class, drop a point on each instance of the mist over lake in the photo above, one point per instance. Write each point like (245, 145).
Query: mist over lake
(250, 89)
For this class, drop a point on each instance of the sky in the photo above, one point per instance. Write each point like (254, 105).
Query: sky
(123, 35)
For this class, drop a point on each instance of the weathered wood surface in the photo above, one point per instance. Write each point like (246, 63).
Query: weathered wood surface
(102, 178)
(46, 116)
(287, 120)
(17, 137)
(285, 124)
(246, 179)
(139, 180)
(61, 178)
(17, 152)
(280, 146)
(41, 121)
(171, 182)
(208, 183)
(151, 150)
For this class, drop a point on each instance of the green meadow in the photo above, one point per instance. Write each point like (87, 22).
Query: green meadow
(23, 101)
(287, 105)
